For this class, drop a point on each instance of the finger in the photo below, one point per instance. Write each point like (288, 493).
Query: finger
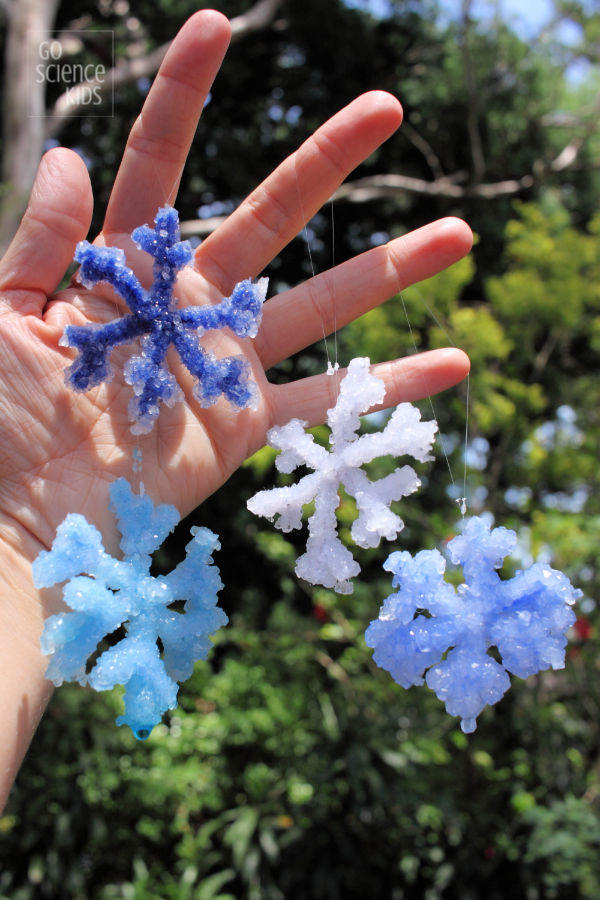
(278, 209)
(295, 319)
(410, 378)
(57, 217)
(160, 139)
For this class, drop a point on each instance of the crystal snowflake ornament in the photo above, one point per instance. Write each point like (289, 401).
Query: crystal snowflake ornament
(430, 631)
(156, 320)
(327, 561)
(107, 594)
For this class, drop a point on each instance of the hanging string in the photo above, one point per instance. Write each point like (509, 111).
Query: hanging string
(330, 368)
(461, 501)
(333, 290)
(137, 468)
(137, 455)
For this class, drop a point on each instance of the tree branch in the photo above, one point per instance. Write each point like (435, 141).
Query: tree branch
(125, 72)
(374, 186)
(200, 227)
(256, 18)
(418, 141)
(392, 185)
(377, 186)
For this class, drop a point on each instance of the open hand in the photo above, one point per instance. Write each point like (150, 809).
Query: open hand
(59, 451)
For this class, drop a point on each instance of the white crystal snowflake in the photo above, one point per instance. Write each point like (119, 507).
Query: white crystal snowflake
(327, 561)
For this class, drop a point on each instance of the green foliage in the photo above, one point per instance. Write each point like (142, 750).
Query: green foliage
(293, 768)
(565, 836)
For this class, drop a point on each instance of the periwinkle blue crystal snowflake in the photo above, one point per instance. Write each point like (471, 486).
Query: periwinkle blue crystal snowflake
(156, 319)
(327, 561)
(429, 630)
(106, 594)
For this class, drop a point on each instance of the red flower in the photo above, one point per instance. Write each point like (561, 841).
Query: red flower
(583, 628)
(320, 613)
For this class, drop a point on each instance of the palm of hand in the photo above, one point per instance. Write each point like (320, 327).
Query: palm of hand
(59, 450)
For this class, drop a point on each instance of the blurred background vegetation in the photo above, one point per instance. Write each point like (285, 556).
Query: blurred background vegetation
(294, 768)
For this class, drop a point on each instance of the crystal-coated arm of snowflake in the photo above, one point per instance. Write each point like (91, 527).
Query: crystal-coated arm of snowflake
(327, 561)
(156, 320)
(524, 618)
(105, 594)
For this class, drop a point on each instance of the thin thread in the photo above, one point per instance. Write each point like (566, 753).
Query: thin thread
(137, 468)
(330, 368)
(137, 456)
(466, 438)
(462, 501)
(333, 292)
(436, 320)
(165, 194)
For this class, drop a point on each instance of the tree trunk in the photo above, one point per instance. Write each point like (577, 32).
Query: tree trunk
(29, 23)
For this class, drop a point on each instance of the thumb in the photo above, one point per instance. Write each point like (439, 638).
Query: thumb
(57, 217)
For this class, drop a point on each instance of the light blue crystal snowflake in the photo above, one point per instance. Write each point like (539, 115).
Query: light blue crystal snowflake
(156, 319)
(430, 627)
(106, 594)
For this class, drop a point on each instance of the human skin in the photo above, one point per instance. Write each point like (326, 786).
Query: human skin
(59, 451)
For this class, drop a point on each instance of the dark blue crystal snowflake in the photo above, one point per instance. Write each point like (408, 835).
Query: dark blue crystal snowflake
(430, 631)
(156, 320)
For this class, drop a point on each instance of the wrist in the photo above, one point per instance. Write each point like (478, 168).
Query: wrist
(24, 690)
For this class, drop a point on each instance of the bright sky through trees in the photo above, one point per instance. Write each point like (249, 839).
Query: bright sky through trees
(526, 18)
